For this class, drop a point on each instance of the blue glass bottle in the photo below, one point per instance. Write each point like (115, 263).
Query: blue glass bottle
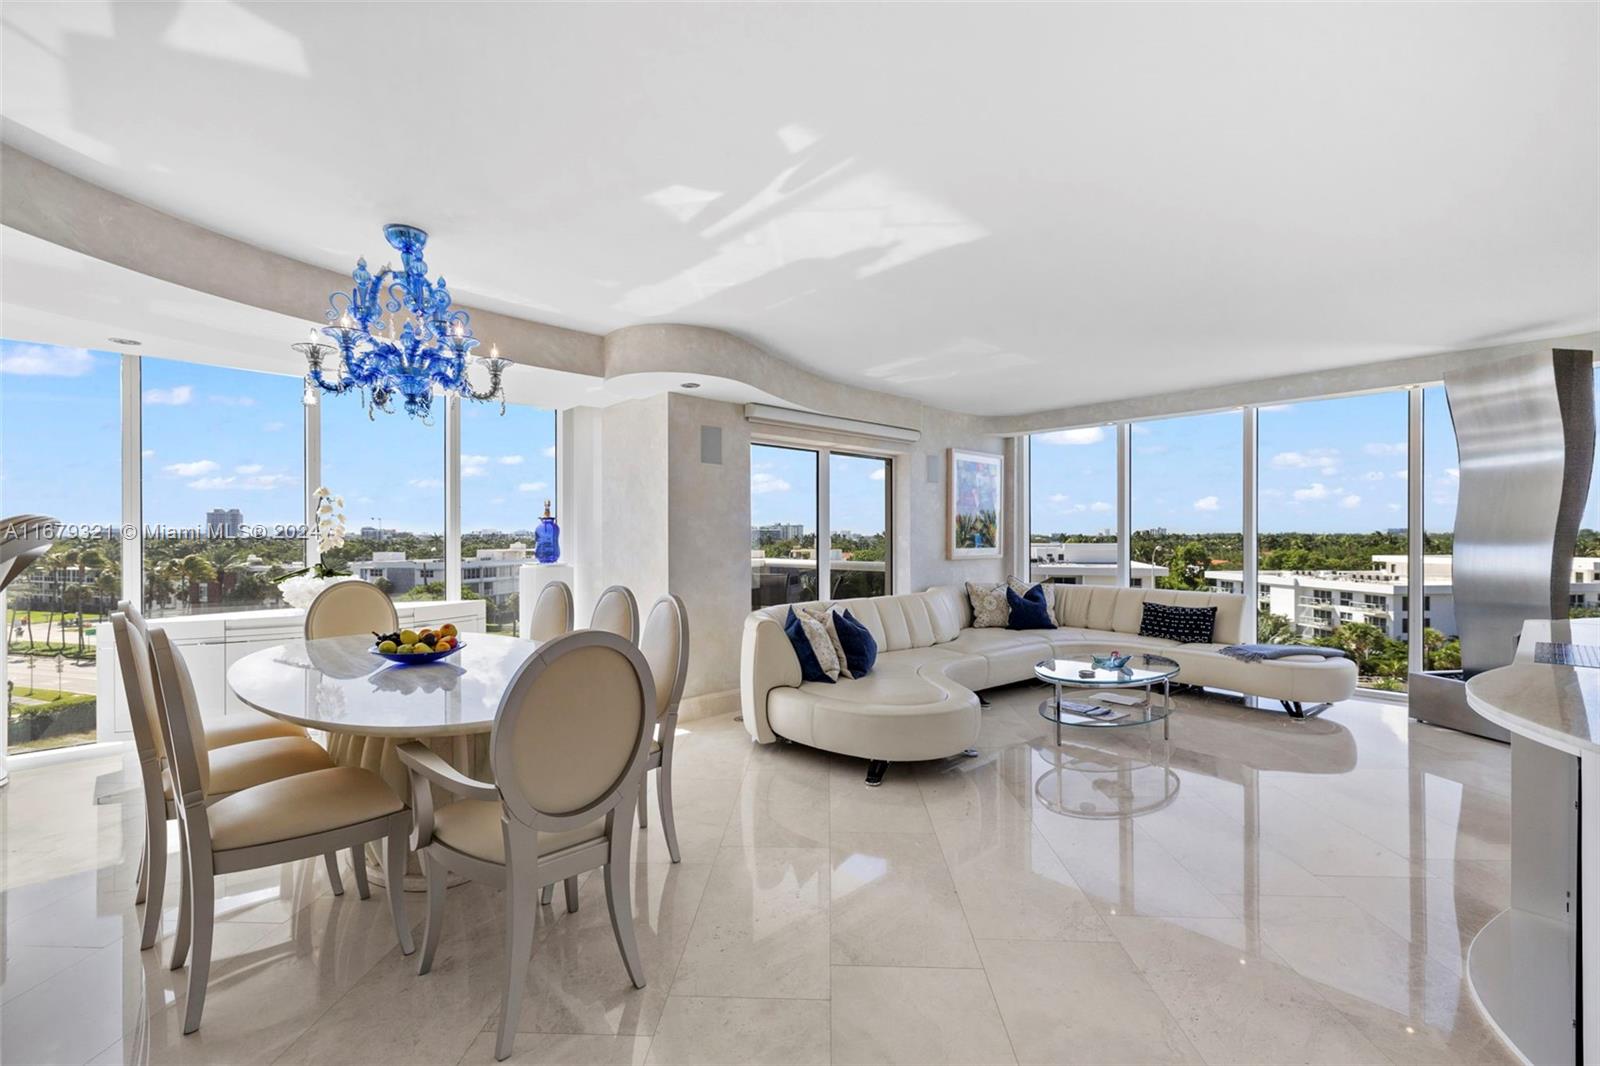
(547, 538)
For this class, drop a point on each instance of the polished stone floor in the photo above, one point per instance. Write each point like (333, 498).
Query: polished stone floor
(1284, 892)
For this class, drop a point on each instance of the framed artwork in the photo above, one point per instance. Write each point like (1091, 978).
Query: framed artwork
(973, 495)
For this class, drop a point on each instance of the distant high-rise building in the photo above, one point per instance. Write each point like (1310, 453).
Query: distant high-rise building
(775, 532)
(224, 522)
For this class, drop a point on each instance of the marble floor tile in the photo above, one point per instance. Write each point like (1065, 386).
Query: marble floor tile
(761, 927)
(893, 903)
(727, 1031)
(915, 1016)
(1074, 1002)
(561, 1049)
(1013, 886)
(780, 808)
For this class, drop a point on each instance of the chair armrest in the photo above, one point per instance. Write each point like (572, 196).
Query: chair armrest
(421, 761)
(426, 769)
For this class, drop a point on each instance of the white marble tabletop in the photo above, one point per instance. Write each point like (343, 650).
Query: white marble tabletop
(337, 685)
(1556, 705)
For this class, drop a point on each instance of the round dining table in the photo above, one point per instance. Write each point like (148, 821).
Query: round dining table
(368, 705)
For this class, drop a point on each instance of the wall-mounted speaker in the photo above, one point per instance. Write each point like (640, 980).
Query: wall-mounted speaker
(711, 444)
(934, 469)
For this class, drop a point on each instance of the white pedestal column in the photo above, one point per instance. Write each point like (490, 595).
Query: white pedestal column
(531, 580)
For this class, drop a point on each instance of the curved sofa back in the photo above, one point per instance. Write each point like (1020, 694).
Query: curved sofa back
(915, 620)
(1120, 610)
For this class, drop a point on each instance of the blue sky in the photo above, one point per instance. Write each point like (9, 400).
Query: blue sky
(783, 488)
(216, 437)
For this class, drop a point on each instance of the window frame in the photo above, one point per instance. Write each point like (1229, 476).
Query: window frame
(824, 454)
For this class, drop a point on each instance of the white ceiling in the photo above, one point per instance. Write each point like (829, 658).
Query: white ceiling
(991, 208)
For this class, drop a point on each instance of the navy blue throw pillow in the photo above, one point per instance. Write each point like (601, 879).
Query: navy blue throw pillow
(1030, 611)
(810, 669)
(860, 649)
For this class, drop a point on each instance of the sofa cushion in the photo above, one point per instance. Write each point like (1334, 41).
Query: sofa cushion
(1029, 611)
(989, 607)
(1186, 625)
(812, 647)
(1009, 655)
(860, 649)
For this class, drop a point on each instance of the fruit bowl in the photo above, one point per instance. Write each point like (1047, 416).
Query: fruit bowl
(415, 658)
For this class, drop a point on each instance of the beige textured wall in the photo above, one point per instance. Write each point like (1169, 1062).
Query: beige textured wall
(633, 499)
(709, 538)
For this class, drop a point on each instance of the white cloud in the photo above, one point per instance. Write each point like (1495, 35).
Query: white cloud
(1373, 475)
(194, 469)
(1059, 498)
(1100, 506)
(1350, 502)
(1399, 475)
(762, 482)
(425, 483)
(1086, 435)
(510, 460)
(271, 427)
(253, 483)
(1393, 506)
(176, 396)
(1385, 448)
(232, 401)
(147, 453)
(473, 465)
(1323, 460)
(1454, 473)
(1207, 503)
(43, 360)
(1315, 491)
(550, 451)
(532, 486)
(877, 473)
(252, 468)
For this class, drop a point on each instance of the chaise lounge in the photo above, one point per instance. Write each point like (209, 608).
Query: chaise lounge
(920, 700)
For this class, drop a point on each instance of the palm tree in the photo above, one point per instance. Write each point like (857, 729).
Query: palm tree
(196, 570)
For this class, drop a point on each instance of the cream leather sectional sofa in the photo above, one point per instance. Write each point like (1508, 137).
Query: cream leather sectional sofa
(921, 702)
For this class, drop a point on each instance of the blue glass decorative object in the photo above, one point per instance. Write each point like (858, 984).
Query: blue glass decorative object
(547, 538)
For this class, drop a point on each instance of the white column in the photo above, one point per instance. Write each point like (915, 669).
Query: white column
(1415, 578)
(1124, 503)
(452, 497)
(1252, 559)
(132, 486)
(824, 528)
(312, 429)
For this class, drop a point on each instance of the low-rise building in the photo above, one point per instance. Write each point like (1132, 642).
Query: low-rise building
(1317, 602)
(1087, 564)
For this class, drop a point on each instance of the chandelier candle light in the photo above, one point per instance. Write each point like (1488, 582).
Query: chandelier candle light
(397, 335)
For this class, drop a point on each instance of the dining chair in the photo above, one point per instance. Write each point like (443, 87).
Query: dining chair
(346, 608)
(567, 751)
(222, 731)
(280, 821)
(234, 767)
(616, 611)
(552, 612)
(665, 646)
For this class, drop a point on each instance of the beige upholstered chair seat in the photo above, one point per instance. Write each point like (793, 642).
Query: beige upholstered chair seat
(255, 762)
(237, 727)
(299, 806)
(472, 827)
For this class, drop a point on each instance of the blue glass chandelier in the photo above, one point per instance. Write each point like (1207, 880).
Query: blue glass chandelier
(397, 336)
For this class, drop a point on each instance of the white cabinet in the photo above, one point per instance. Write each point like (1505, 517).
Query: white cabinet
(211, 643)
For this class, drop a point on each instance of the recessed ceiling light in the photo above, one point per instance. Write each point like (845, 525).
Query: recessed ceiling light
(127, 342)
(690, 385)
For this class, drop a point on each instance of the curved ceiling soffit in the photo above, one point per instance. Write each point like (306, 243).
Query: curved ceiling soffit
(53, 205)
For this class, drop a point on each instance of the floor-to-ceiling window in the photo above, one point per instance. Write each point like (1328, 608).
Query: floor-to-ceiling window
(508, 475)
(1331, 510)
(860, 488)
(389, 469)
(1187, 492)
(1441, 481)
(783, 525)
(222, 484)
(1073, 506)
(60, 436)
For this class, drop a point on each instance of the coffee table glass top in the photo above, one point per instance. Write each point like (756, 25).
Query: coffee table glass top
(1141, 670)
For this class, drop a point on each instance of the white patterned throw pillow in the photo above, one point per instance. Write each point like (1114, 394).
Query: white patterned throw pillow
(821, 646)
(821, 613)
(990, 609)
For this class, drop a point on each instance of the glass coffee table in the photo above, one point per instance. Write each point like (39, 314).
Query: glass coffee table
(1142, 671)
